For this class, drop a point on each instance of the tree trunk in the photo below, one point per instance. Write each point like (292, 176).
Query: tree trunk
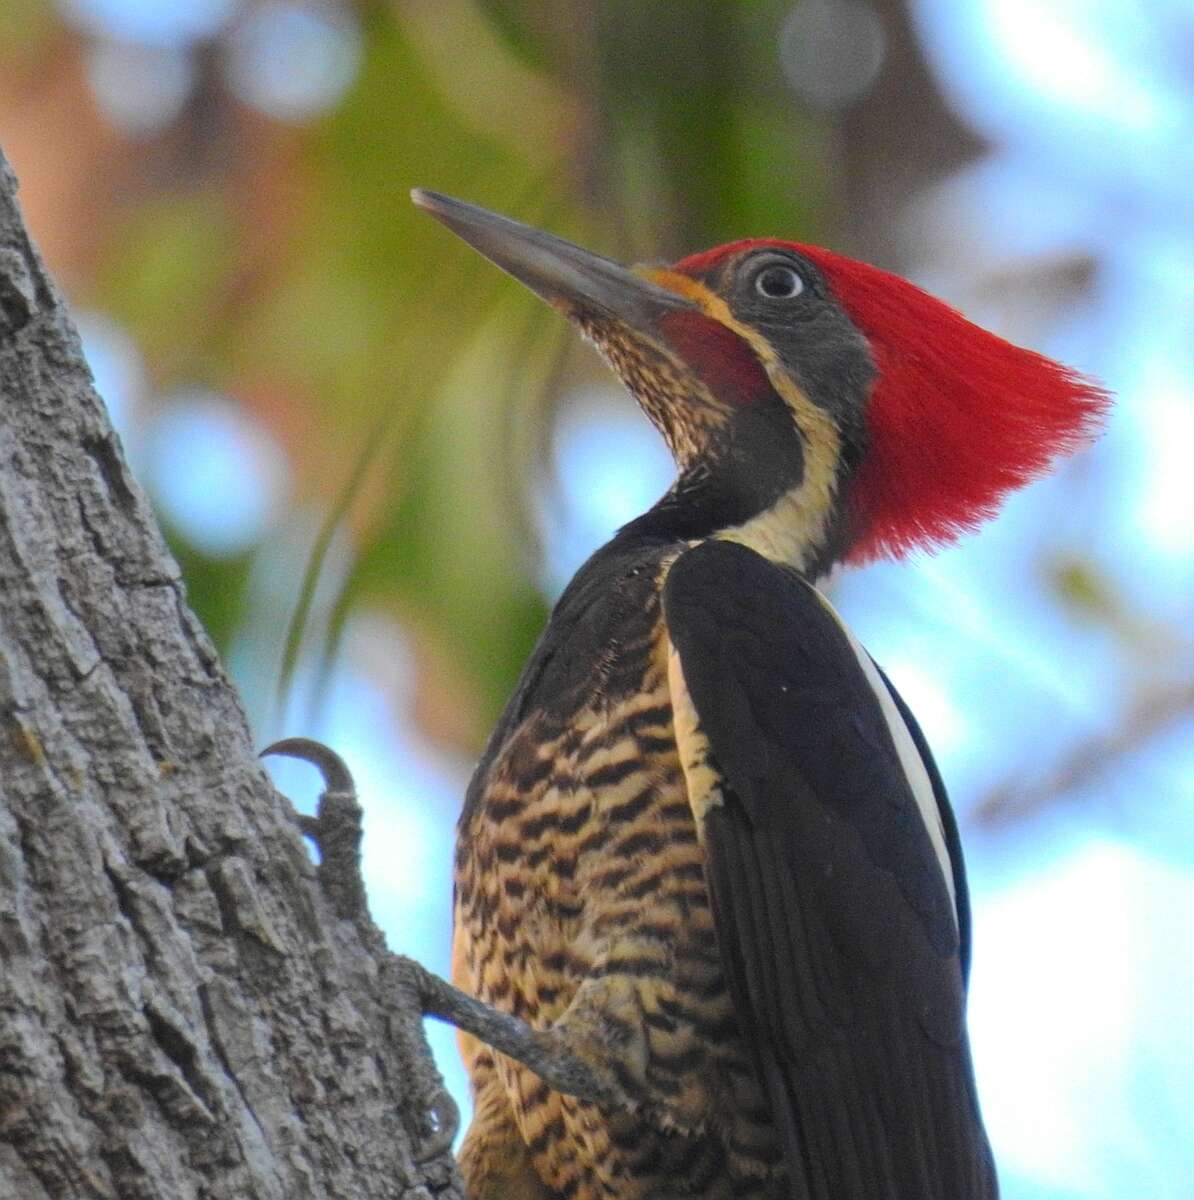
(184, 1010)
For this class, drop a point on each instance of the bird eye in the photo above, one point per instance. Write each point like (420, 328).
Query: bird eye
(778, 283)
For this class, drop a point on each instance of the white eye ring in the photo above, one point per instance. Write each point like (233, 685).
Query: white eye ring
(778, 283)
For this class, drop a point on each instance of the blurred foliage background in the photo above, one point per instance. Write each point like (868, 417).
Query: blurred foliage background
(378, 461)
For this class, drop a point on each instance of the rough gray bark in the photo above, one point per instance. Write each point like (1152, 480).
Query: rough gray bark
(182, 1011)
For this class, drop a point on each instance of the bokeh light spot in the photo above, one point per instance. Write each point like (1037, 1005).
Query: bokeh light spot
(140, 89)
(215, 472)
(150, 22)
(293, 60)
(1060, 51)
(831, 50)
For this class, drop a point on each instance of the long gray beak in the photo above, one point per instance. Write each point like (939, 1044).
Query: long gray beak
(567, 277)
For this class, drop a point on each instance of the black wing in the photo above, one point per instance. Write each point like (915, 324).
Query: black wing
(838, 936)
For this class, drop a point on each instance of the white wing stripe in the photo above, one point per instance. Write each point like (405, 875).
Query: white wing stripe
(910, 760)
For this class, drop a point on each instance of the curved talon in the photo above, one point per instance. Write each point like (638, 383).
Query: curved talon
(337, 778)
(336, 828)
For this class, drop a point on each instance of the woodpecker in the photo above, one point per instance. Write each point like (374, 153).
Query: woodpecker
(707, 847)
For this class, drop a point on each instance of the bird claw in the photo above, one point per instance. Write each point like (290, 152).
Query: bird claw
(439, 1114)
(337, 778)
(336, 828)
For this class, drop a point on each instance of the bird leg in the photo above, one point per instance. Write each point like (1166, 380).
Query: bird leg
(551, 1053)
(336, 831)
(336, 827)
(556, 1055)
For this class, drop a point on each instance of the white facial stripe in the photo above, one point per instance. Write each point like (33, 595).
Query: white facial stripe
(910, 760)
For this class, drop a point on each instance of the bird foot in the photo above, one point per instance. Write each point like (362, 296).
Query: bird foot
(336, 828)
(550, 1053)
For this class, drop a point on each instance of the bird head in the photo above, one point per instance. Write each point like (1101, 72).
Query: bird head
(818, 409)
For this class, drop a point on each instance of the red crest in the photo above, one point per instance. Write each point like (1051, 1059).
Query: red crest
(957, 416)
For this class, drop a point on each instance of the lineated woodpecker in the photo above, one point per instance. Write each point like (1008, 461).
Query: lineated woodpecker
(707, 850)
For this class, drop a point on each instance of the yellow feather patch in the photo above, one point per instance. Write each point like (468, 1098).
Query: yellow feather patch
(702, 781)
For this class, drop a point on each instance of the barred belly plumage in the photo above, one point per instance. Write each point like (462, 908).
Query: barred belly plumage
(581, 898)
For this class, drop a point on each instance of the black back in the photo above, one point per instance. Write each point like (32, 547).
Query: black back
(836, 929)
